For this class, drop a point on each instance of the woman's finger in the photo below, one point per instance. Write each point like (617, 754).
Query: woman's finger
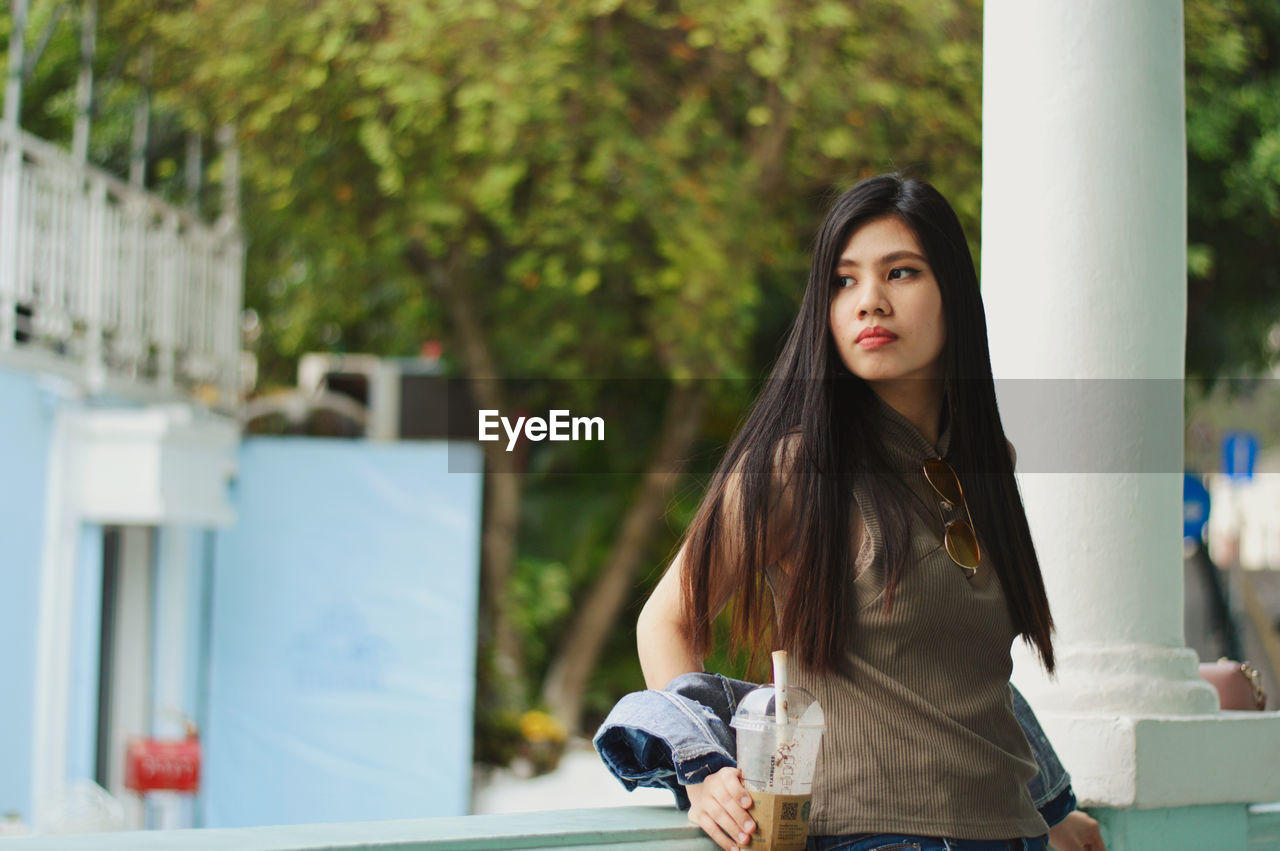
(728, 823)
(733, 786)
(736, 800)
(709, 826)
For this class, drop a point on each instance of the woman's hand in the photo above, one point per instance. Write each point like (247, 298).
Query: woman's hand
(1076, 832)
(719, 807)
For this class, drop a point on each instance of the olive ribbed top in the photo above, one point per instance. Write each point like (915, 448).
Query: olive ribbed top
(921, 737)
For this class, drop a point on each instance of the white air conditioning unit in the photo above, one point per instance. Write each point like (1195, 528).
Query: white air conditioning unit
(406, 398)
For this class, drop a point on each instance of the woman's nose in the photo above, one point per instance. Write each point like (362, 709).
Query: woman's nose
(873, 301)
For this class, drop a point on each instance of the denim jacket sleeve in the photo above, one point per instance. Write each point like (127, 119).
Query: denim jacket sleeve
(673, 737)
(682, 734)
(1051, 788)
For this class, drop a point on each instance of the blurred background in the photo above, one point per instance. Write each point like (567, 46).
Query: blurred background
(319, 233)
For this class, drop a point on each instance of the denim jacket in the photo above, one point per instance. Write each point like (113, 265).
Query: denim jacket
(680, 735)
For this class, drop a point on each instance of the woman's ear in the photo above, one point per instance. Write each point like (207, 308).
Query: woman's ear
(1013, 453)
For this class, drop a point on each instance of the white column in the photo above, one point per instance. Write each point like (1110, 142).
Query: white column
(172, 653)
(1084, 258)
(132, 661)
(51, 719)
(1084, 282)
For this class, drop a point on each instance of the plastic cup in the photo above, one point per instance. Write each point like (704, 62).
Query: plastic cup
(778, 761)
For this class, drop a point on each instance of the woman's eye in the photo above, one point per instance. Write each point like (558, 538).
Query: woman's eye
(899, 272)
(844, 281)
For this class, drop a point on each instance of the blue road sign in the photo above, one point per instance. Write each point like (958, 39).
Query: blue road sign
(1195, 507)
(1239, 453)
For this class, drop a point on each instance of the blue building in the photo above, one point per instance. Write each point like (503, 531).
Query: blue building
(308, 605)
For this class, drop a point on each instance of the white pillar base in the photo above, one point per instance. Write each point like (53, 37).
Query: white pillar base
(1147, 762)
(1136, 679)
(1137, 728)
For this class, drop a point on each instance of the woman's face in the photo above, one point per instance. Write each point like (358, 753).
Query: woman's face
(886, 309)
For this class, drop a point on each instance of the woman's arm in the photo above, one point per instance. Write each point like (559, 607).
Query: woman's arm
(660, 634)
(718, 804)
(664, 652)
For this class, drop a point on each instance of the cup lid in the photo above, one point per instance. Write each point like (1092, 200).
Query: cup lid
(757, 711)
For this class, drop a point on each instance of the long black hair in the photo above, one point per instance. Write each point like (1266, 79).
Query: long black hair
(812, 426)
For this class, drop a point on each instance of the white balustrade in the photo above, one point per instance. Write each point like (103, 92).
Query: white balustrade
(114, 279)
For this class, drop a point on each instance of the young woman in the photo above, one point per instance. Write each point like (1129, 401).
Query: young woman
(866, 518)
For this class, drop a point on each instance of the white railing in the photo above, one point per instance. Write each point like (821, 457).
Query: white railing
(111, 278)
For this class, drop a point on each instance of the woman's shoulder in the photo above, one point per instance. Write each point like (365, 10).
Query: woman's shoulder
(779, 459)
(788, 453)
(786, 449)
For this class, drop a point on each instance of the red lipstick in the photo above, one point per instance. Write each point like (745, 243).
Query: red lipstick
(873, 337)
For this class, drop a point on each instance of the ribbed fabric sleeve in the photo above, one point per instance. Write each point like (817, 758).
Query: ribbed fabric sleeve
(921, 735)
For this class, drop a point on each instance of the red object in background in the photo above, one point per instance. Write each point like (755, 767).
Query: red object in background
(155, 765)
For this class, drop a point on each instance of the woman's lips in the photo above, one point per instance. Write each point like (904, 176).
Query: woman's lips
(875, 342)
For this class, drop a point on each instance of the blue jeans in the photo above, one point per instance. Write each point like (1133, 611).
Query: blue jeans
(902, 842)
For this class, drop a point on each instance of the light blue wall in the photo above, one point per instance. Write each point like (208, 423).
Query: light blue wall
(342, 670)
(25, 438)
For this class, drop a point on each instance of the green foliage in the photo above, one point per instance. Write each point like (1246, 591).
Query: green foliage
(650, 171)
(52, 48)
(624, 191)
(1233, 191)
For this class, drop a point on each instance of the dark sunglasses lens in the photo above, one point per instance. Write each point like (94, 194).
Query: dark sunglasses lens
(962, 544)
(944, 481)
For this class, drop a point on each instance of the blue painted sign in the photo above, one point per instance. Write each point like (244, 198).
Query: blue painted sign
(1239, 454)
(1195, 507)
(343, 634)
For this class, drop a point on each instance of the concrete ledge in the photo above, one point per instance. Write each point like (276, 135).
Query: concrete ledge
(1221, 827)
(1152, 762)
(632, 828)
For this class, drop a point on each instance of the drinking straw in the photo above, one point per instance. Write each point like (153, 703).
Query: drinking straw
(780, 687)
(781, 716)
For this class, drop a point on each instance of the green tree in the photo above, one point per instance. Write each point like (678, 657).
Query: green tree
(582, 190)
(1233, 185)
